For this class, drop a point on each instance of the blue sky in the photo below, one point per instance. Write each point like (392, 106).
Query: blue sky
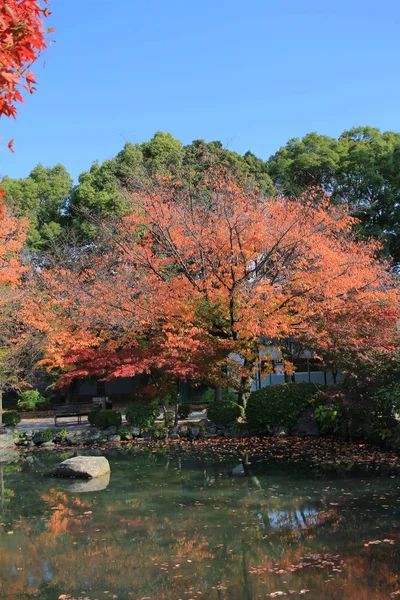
(251, 74)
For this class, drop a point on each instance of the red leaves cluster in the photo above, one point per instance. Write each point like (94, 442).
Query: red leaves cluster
(22, 38)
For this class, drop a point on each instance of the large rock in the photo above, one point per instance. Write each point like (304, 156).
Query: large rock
(306, 424)
(83, 467)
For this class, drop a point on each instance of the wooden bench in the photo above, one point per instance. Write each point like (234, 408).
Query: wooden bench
(72, 410)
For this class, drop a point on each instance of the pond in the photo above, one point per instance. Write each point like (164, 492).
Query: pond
(194, 524)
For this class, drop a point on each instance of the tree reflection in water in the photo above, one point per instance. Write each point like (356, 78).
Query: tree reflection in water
(170, 527)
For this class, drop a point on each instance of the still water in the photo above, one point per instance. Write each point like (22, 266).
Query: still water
(172, 525)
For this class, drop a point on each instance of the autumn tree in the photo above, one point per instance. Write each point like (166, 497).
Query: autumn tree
(12, 239)
(190, 281)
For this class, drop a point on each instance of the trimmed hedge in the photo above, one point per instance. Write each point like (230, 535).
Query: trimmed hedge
(107, 418)
(224, 412)
(11, 418)
(279, 405)
(141, 415)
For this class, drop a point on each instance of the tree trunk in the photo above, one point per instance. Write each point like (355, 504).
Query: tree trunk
(218, 394)
(246, 383)
(2, 490)
(1, 409)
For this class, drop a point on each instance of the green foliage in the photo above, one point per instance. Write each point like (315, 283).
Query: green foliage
(11, 418)
(141, 415)
(224, 412)
(53, 433)
(159, 431)
(125, 434)
(360, 169)
(184, 411)
(107, 418)
(92, 416)
(328, 417)
(278, 405)
(40, 197)
(32, 400)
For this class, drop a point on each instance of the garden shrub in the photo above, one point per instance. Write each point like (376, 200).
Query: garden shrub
(279, 405)
(31, 400)
(92, 416)
(107, 418)
(141, 415)
(184, 411)
(11, 418)
(224, 412)
(53, 433)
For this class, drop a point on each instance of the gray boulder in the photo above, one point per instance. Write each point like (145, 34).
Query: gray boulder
(135, 431)
(194, 431)
(306, 424)
(114, 438)
(83, 467)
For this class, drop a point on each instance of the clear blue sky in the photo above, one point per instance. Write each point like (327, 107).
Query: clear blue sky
(251, 74)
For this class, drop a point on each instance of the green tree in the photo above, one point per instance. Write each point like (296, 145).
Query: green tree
(40, 197)
(360, 168)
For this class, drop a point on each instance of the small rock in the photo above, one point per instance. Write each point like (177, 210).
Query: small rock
(174, 436)
(48, 445)
(279, 431)
(194, 431)
(183, 430)
(114, 438)
(135, 431)
(112, 430)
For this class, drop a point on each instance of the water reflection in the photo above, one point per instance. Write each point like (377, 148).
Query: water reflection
(177, 527)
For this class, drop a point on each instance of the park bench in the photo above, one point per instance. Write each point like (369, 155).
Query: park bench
(72, 410)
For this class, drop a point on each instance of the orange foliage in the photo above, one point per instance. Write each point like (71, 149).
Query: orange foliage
(189, 279)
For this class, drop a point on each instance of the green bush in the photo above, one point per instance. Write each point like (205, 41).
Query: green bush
(92, 416)
(159, 431)
(278, 405)
(32, 400)
(184, 411)
(328, 417)
(107, 418)
(224, 412)
(141, 415)
(52, 433)
(11, 418)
